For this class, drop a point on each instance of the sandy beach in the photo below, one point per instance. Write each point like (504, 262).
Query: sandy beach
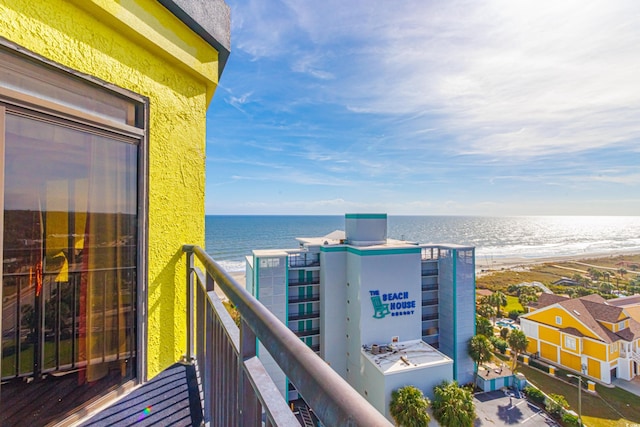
(514, 263)
(483, 267)
(239, 276)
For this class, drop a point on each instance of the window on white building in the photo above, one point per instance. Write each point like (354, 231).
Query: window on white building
(269, 262)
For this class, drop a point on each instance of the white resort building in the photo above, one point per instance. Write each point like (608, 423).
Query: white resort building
(382, 313)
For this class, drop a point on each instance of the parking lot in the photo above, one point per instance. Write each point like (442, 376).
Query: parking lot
(496, 409)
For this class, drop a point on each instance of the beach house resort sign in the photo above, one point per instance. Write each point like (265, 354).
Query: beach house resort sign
(391, 304)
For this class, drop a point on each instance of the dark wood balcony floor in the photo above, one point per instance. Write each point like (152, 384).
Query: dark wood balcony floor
(170, 399)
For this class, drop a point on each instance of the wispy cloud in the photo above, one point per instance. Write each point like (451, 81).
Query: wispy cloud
(239, 101)
(460, 105)
(309, 65)
(508, 78)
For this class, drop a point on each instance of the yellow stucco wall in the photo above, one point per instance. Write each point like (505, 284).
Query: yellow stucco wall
(594, 349)
(610, 326)
(549, 352)
(140, 46)
(570, 360)
(593, 368)
(549, 335)
(532, 347)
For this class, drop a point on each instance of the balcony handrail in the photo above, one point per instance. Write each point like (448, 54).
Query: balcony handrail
(301, 264)
(294, 299)
(332, 399)
(297, 282)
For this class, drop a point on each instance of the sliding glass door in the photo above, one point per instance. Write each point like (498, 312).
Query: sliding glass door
(70, 264)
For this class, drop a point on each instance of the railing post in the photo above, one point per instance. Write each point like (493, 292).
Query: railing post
(190, 307)
(250, 411)
(211, 283)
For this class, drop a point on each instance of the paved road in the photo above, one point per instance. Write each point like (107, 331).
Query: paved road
(498, 410)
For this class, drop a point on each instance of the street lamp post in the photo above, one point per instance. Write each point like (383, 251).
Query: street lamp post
(579, 396)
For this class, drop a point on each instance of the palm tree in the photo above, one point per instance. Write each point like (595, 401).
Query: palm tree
(498, 299)
(622, 271)
(595, 274)
(453, 405)
(480, 352)
(485, 310)
(606, 287)
(526, 294)
(484, 326)
(518, 343)
(408, 407)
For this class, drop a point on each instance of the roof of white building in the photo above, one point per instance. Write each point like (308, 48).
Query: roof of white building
(272, 252)
(405, 356)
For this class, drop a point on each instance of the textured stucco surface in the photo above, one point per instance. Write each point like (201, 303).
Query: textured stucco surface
(141, 46)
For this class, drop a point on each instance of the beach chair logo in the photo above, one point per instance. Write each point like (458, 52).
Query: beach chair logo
(380, 309)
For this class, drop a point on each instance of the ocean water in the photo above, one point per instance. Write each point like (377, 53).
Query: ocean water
(230, 238)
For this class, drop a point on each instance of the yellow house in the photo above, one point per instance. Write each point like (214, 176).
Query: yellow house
(102, 138)
(631, 304)
(585, 335)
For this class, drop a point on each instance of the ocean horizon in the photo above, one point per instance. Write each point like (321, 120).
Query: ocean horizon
(230, 238)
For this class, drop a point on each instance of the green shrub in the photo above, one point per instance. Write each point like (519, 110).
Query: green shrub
(504, 332)
(555, 405)
(500, 345)
(514, 314)
(534, 394)
(535, 364)
(570, 420)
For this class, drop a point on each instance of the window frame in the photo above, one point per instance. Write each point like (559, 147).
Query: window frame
(570, 343)
(135, 127)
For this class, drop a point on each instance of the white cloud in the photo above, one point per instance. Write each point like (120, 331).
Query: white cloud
(507, 78)
(239, 101)
(309, 65)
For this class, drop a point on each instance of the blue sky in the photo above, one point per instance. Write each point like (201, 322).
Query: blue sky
(428, 108)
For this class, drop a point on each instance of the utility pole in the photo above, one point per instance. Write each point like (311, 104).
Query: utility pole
(579, 396)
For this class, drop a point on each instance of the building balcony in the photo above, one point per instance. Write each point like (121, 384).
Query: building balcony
(295, 282)
(429, 272)
(430, 287)
(427, 317)
(304, 316)
(222, 382)
(430, 302)
(300, 263)
(307, 333)
(294, 299)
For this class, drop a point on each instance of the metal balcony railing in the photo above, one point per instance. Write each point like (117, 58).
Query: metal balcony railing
(429, 302)
(294, 299)
(430, 272)
(301, 263)
(304, 316)
(297, 282)
(307, 332)
(236, 387)
(48, 325)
